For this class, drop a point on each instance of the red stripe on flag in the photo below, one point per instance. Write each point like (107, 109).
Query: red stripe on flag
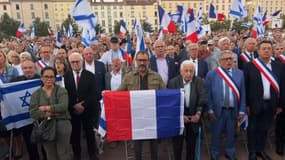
(118, 115)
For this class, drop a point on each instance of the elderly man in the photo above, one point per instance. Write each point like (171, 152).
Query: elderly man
(142, 79)
(195, 100)
(113, 79)
(30, 72)
(249, 54)
(201, 67)
(226, 103)
(162, 64)
(279, 52)
(264, 82)
(83, 106)
(46, 58)
(223, 44)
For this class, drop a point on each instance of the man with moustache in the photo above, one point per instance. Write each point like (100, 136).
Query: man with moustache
(142, 79)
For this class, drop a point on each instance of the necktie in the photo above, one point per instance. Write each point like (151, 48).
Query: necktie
(77, 79)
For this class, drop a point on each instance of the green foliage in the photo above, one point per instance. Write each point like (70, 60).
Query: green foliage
(147, 27)
(99, 29)
(41, 28)
(66, 22)
(225, 25)
(283, 19)
(117, 25)
(8, 26)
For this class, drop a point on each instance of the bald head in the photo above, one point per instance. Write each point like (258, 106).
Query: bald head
(29, 69)
(88, 55)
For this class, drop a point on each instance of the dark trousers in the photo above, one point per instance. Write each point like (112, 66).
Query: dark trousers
(280, 128)
(31, 147)
(258, 126)
(190, 137)
(87, 124)
(153, 149)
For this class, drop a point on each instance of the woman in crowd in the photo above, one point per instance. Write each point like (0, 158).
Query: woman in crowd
(25, 56)
(51, 102)
(14, 60)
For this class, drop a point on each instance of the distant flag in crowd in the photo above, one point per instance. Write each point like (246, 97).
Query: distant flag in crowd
(165, 21)
(213, 13)
(88, 37)
(275, 13)
(64, 30)
(246, 24)
(265, 20)
(129, 44)
(158, 115)
(32, 36)
(134, 23)
(123, 29)
(126, 56)
(244, 122)
(58, 39)
(191, 29)
(15, 102)
(140, 37)
(238, 9)
(70, 31)
(83, 14)
(50, 31)
(160, 35)
(199, 22)
(258, 28)
(184, 17)
(21, 30)
(174, 17)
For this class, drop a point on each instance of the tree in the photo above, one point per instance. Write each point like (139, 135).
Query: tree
(147, 27)
(66, 22)
(99, 29)
(8, 26)
(117, 25)
(283, 21)
(218, 26)
(41, 28)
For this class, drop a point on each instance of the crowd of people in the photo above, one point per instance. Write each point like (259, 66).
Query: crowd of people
(225, 76)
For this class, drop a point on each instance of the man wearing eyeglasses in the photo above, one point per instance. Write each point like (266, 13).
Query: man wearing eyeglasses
(226, 103)
(142, 79)
(83, 107)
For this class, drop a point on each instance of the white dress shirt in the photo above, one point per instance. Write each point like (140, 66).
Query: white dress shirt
(116, 80)
(90, 67)
(187, 89)
(266, 84)
(162, 69)
(75, 76)
(231, 96)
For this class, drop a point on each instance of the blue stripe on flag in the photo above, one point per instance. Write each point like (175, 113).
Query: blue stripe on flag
(102, 123)
(235, 13)
(16, 118)
(22, 86)
(168, 112)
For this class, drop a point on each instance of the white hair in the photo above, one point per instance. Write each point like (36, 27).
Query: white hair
(187, 62)
(75, 54)
(25, 53)
(222, 40)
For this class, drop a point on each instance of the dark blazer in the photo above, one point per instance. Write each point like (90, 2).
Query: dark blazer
(99, 76)
(254, 86)
(108, 77)
(172, 72)
(202, 67)
(198, 97)
(86, 92)
(241, 63)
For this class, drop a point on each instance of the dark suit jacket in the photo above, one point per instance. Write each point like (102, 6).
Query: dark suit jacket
(254, 87)
(241, 63)
(99, 77)
(172, 72)
(198, 97)
(86, 92)
(108, 77)
(202, 67)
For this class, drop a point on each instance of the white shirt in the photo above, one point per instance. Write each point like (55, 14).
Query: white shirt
(266, 84)
(231, 96)
(116, 80)
(162, 69)
(107, 56)
(187, 89)
(90, 67)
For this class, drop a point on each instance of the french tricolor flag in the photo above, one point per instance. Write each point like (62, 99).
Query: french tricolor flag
(165, 21)
(123, 29)
(144, 114)
(191, 29)
(21, 30)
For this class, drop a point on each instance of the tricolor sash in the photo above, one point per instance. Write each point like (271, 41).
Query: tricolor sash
(281, 58)
(230, 82)
(42, 64)
(245, 57)
(268, 74)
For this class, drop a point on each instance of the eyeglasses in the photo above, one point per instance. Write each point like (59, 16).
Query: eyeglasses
(48, 77)
(227, 59)
(74, 62)
(159, 46)
(142, 60)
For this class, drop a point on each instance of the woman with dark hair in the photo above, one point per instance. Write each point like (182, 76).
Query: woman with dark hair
(51, 102)
(61, 66)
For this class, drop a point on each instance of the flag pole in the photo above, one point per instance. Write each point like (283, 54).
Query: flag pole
(199, 144)
(11, 146)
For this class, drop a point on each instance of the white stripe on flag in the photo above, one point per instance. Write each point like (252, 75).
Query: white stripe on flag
(182, 113)
(143, 114)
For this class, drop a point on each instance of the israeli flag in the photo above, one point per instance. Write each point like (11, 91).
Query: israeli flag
(238, 9)
(102, 123)
(32, 36)
(140, 37)
(70, 31)
(15, 102)
(58, 40)
(88, 37)
(83, 14)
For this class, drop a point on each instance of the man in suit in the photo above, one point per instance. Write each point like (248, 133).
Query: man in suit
(46, 58)
(201, 67)
(249, 54)
(263, 76)
(97, 68)
(143, 79)
(195, 100)
(113, 79)
(162, 64)
(226, 103)
(279, 53)
(83, 106)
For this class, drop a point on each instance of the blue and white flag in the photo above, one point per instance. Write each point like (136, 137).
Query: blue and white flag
(244, 122)
(246, 24)
(258, 25)
(102, 122)
(58, 39)
(83, 14)
(174, 17)
(32, 36)
(70, 31)
(88, 37)
(238, 9)
(199, 22)
(140, 37)
(15, 102)
(64, 30)
(212, 11)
